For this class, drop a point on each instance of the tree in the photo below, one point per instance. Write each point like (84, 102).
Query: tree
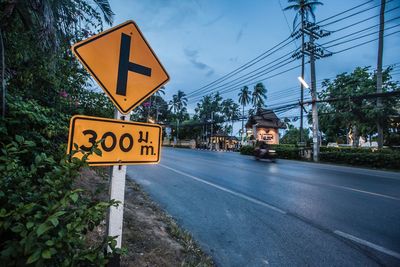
(341, 119)
(304, 8)
(292, 133)
(231, 111)
(209, 111)
(178, 104)
(45, 30)
(244, 99)
(259, 96)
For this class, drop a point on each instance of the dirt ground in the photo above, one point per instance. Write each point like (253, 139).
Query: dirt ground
(150, 236)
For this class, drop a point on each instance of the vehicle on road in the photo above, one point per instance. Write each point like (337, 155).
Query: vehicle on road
(264, 151)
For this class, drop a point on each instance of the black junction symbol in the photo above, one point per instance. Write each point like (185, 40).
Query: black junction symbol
(125, 65)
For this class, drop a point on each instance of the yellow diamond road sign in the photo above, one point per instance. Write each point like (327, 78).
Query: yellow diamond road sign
(123, 64)
(123, 142)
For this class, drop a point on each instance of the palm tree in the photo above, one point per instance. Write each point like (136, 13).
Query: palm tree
(304, 8)
(259, 96)
(231, 111)
(158, 94)
(235, 113)
(244, 99)
(177, 104)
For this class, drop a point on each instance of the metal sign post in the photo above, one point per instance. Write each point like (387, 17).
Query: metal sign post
(117, 192)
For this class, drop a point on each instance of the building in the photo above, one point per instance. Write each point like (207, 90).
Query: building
(264, 125)
(222, 141)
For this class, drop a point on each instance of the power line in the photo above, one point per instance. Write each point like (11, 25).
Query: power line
(345, 11)
(356, 38)
(246, 65)
(365, 29)
(196, 95)
(234, 87)
(264, 71)
(361, 44)
(262, 56)
(352, 15)
(364, 20)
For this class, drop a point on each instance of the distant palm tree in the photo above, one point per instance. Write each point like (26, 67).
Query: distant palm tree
(304, 8)
(231, 111)
(177, 105)
(235, 114)
(259, 96)
(158, 94)
(244, 99)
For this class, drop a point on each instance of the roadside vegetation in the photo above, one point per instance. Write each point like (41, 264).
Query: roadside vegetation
(44, 218)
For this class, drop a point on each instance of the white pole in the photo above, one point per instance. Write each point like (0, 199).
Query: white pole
(117, 192)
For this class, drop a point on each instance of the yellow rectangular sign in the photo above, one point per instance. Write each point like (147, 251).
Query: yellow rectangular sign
(124, 142)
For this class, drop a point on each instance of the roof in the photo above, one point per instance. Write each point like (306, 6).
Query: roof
(265, 118)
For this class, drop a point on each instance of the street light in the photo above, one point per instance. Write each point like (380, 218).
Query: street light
(303, 82)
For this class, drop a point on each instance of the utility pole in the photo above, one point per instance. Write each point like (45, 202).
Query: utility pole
(212, 124)
(313, 51)
(315, 128)
(241, 133)
(302, 76)
(379, 71)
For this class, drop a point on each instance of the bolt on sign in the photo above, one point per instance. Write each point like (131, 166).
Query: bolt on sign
(123, 64)
(123, 142)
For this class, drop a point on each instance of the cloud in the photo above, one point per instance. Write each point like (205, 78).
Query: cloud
(192, 56)
(233, 59)
(213, 21)
(240, 33)
(191, 53)
(209, 73)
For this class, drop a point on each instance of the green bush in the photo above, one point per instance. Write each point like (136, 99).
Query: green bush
(247, 150)
(43, 220)
(378, 159)
(283, 151)
(286, 151)
(357, 150)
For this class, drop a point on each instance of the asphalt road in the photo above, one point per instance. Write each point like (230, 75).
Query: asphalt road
(249, 213)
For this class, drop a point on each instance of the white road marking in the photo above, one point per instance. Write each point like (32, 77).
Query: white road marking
(253, 200)
(362, 191)
(368, 244)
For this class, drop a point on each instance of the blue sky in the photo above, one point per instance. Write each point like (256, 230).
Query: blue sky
(198, 41)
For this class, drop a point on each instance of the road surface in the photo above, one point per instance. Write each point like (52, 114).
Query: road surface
(253, 213)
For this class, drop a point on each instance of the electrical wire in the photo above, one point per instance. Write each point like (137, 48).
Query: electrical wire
(361, 44)
(364, 20)
(253, 74)
(344, 12)
(246, 65)
(352, 15)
